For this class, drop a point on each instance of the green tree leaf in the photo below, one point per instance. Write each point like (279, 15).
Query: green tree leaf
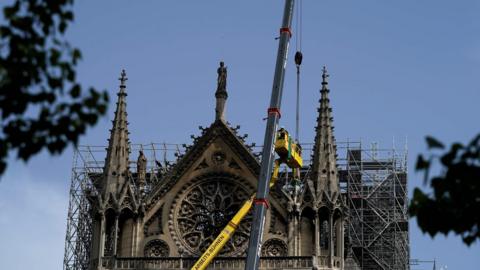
(422, 164)
(38, 73)
(433, 143)
(454, 205)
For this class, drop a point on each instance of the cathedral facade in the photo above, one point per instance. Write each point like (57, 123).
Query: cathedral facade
(169, 223)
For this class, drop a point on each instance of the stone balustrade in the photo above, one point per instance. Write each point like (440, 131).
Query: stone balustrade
(225, 263)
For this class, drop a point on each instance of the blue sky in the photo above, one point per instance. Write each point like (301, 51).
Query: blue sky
(398, 69)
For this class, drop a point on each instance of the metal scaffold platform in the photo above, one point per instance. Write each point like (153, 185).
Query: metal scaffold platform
(374, 182)
(88, 164)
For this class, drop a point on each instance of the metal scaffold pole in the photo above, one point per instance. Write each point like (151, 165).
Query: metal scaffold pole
(261, 202)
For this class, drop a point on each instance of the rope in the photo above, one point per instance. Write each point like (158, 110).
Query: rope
(298, 62)
(297, 16)
(300, 4)
(297, 114)
(299, 25)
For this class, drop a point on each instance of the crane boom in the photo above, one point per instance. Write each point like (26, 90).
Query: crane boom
(260, 202)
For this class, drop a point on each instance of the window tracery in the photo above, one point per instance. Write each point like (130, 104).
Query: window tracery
(205, 208)
(156, 248)
(324, 234)
(274, 248)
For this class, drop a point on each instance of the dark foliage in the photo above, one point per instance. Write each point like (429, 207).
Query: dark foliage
(42, 106)
(454, 205)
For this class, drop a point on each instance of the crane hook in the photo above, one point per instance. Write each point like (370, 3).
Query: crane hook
(298, 58)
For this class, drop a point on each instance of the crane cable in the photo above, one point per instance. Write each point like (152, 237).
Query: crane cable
(298, 62)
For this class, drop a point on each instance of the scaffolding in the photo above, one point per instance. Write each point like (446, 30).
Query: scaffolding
(88, 163)
(374, 182)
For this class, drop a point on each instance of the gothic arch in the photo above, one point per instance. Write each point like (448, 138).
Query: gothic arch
(110, 231)
(126, 224)
(307, 232)
(337, 219)
(324, 227)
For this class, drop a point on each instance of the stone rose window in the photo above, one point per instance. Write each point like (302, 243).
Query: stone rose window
(204, 208)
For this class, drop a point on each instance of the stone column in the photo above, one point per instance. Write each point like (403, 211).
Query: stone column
(220, 109)
(338, 231)
(101, 240)
(297, 234)
(317, 234)
(136, 241)
(342, 243)
(133, 239)
(330, 240)
(115, 238)
(291, 234)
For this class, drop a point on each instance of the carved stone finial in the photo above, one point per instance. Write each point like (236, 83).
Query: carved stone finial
(221, 93)
(324, 75)
(123, 79)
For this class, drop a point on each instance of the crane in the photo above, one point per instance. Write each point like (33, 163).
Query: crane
(290, 153)
(280, 142)
(261, 200)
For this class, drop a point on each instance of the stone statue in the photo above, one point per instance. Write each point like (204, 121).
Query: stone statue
(141, 168)
(221, 94)
(222, 78)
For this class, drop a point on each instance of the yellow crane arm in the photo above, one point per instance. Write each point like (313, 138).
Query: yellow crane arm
(228, 231)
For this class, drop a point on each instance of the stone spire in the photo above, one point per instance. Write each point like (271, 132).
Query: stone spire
(116, 162)
(221, 94)
(324, 168)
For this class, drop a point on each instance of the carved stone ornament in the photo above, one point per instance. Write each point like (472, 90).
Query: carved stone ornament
(202, 165)
(274, 248)
(234, 165)
(156, 248)
(127, 203)
(154, 225)
(218, 157)
(205, 208)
